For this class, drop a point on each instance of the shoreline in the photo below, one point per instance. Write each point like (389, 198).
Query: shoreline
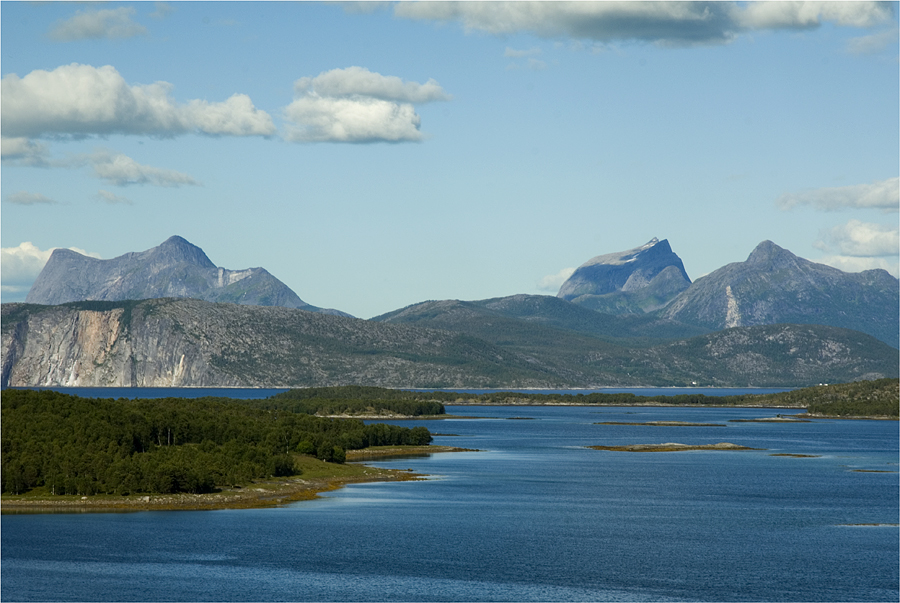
(259, 494)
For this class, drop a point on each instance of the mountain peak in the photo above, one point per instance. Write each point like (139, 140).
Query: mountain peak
(178, 249)
(765, 252)
(632, 281)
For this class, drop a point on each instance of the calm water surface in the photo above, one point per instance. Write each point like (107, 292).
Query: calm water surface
(532, 516)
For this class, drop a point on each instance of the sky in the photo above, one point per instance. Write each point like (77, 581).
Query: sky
(376, 155)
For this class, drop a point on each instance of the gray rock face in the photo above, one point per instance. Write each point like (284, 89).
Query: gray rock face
(628, 282)
(775, 286)
(176, 268)
(188, 342)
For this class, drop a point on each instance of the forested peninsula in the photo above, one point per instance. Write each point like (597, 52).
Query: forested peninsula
(59, 445)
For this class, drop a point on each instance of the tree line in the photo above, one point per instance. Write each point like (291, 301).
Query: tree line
(72, 445)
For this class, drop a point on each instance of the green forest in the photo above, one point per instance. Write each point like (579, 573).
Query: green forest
(66, 444)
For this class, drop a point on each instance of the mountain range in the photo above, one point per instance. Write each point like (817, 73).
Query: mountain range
(187, 342)
(175, 268)
(775, 319)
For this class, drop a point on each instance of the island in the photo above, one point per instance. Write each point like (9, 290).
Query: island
(673, 447)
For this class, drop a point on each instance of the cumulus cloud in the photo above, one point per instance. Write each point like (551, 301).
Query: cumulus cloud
(883, 194)
(857, 264)
(359, 81)
(861, 239)
(357, 105)
(21, 265)
(98, 24)
(81, 100)
(552, 282)
(113, 199)
(21, 151)
(122, 170)
(26, 198)
(664, 23)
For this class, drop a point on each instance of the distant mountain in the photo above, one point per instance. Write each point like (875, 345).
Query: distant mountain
(531, 316)
(628, 282)
(187, 342)
(176, 268)
(775, 286)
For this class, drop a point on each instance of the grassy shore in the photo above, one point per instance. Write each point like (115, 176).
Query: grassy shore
(317, 476)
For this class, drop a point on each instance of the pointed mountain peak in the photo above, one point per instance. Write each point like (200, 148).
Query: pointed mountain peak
(176, 248)
(766, 252)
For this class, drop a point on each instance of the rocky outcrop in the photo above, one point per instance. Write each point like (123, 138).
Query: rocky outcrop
(628, 282)
(176, 268)
(775, 286)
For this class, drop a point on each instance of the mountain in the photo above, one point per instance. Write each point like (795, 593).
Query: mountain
(192, 343)
(531, 318)
(176, 268)
(775, 286)
(630, 350)
(628, 282)
(186, 342)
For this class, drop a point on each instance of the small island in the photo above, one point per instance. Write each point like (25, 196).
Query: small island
(673, 447)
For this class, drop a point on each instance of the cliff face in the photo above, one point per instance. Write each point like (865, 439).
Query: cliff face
(176, 268)
(628, 282)
(170, 342)
(122, 346)
(187, 342)
(775, 286)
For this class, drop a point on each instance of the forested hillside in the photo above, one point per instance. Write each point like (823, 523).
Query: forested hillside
(71, 445)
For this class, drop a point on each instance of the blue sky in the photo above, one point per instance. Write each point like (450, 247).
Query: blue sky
(376, 155)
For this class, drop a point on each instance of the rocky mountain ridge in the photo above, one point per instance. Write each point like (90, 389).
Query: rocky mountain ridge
(186, 342)
(175, 268)
(775, 286)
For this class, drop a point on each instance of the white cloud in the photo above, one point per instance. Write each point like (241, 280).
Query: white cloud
(122, 170)
(884, 194)
(664, 23)
(21, 151)
(98, 24)
(113, 199)
(82, 100)
(874, 43)
(857, 264)
(21, 265)
(357, 105)
(163, 10)
(360, 82)
(861, 239)
(801, 15)
(552, 282)
(26, 198)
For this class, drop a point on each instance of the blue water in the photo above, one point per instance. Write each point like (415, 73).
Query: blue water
(532, 516)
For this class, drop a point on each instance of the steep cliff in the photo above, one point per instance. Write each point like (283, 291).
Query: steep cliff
(175, 268)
